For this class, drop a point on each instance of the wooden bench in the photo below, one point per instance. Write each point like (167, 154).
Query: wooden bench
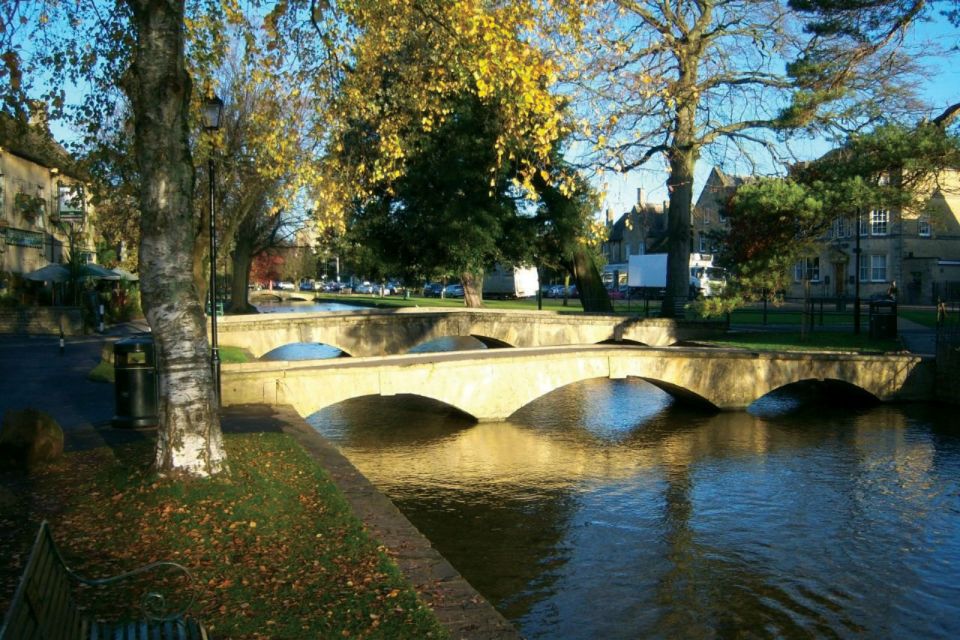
(43, 607)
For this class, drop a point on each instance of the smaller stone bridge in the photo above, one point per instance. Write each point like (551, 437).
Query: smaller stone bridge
(379, 332)
(491, 385)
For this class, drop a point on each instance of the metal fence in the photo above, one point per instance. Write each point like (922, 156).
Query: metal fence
(947, 291)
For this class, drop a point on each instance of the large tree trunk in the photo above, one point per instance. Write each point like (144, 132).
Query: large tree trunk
(593, 295)
(242, 258)
(472, 289)
(189, 440)
(682, 156)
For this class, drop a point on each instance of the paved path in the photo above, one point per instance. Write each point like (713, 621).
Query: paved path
(35, 374)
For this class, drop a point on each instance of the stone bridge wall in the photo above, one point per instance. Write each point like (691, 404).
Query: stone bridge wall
(491, 385)
(396, 331)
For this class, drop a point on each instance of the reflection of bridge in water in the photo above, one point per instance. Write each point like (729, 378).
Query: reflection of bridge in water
(491, 385)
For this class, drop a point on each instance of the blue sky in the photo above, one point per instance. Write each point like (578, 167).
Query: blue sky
(941, 88)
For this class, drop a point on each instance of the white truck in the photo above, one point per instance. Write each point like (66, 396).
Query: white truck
(648, 272)
(510, 282)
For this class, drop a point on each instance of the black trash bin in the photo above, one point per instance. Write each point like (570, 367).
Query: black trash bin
(883, 319)
(135, 368)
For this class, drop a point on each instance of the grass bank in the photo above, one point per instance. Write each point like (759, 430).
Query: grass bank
(817, 341)
(274, 548)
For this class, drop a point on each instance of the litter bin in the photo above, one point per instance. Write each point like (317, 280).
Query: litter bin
(135, 368)
(883, 319)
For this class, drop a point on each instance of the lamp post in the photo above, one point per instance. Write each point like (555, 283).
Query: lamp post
(212, 112)
(856, 279)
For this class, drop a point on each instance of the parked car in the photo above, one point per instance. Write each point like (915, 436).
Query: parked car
(366, 287)
(332, 287)
(286, 286)
(432, 290)
(453, 291)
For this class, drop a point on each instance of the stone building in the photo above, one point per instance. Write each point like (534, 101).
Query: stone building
(642, 229)
(44, 210)
(917, 249)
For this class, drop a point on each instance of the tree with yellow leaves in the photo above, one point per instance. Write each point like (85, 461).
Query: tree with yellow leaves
(158, 57)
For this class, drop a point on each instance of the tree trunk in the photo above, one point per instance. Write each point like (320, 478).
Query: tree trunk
(680, 186)
(242, 258)
(472, 289)
(189, 440)
(593, 295)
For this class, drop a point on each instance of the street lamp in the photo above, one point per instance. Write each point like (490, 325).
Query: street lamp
(212, 113)
(856, 278)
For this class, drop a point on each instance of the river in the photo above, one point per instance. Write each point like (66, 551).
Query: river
(606, 510)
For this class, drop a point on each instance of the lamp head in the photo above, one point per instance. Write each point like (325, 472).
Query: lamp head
(212, 113)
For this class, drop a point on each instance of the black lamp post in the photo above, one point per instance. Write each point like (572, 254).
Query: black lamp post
(212, 112)
(856, 279)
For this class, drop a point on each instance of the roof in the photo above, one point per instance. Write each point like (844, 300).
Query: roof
(34, 143)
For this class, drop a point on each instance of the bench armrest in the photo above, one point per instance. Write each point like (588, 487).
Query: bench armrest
(153, 604)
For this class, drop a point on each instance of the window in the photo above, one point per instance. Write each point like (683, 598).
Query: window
(704, 244)
(807, 269)
(861, 225)
(873, 268)
(879, 219)
(842, 228)
(923, 227)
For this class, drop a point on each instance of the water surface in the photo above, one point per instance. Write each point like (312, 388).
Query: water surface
(603, 510)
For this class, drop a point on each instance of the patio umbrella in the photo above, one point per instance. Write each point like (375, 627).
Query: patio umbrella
(126, 275)
(52, 272)
(91, 270)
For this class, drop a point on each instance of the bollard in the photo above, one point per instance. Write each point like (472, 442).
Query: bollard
(61, 341)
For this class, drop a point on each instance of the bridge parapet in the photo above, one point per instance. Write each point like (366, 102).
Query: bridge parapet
(379, 332)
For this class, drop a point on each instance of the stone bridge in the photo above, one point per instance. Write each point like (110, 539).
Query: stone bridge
(379, 332)
(491, 385)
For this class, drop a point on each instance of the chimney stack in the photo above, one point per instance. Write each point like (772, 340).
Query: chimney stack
(609, 215)
(641, 197)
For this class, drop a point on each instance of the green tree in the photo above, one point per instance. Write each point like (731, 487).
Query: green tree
(148, 55)
(447, 212)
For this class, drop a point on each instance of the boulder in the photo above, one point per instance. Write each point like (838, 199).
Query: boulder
(29, 437)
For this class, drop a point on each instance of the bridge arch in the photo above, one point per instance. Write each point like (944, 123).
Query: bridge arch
(305, 351)
(427, 409)
(492, 343)
(818, 392)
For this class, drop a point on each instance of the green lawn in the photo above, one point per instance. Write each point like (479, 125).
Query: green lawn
(816, 341)
(275, 550)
